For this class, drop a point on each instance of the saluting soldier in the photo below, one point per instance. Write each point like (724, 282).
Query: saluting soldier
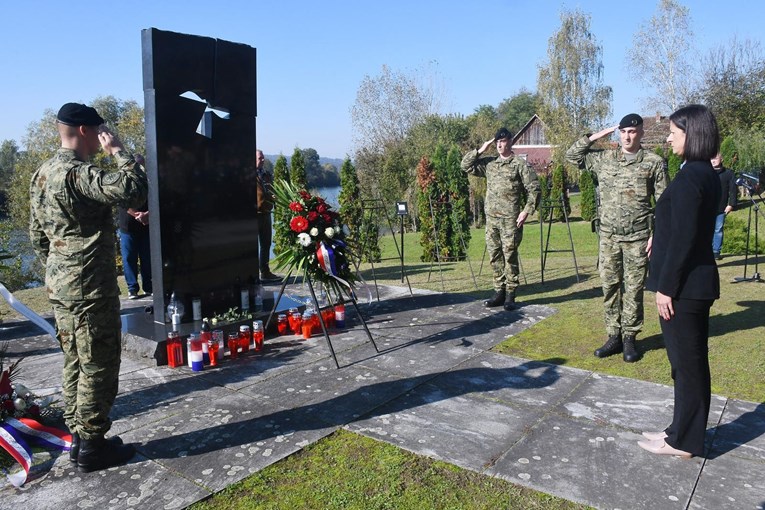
(72, 231)
(507, 178)
(628, 178)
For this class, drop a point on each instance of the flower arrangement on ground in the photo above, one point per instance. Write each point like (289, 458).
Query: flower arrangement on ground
(16, 401)
(19, 429)
(316, 240)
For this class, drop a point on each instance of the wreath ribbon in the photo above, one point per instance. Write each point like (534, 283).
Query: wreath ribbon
(325, 256)
(16, 436)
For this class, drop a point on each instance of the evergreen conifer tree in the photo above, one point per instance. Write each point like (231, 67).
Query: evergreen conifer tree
(297, 170)
(588, 204)
(673, 163)
(559, 190)
(426, 190)
(544, 180)
(458, 189)
(728, 152)
(281, 229)
(440, 203)
(351, 212)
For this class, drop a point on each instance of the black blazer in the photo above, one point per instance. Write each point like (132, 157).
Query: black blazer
(682, 264)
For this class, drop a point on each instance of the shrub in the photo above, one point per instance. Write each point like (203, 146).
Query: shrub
(588, 204)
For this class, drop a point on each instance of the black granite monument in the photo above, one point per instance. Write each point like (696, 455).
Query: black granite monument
(200, 108)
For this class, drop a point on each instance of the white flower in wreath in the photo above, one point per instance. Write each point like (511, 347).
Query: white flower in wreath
(329, 232)
(338, 229)
(314, 232)
(304, 239)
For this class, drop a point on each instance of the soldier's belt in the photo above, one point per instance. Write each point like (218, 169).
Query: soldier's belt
(639, 226)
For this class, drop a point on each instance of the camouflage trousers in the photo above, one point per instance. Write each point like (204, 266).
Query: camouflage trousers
(90, 334)
(623, 269)
(502, 240)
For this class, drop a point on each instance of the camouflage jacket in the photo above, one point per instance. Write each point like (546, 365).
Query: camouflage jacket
(72, 226)
(506, 180)
(625, 186)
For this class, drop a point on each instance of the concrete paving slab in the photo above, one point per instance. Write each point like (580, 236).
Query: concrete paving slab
(139, 484)
(332, 395)
(413, 359)
(461, 430)
(512, 380)
(278, 356)
(731, 482)
(741, 432)
(597, 464)
(227, 440)
(18, 345)
(153, 393)
(629, 403)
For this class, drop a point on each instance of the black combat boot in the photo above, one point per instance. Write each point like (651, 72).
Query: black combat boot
(612, 346)
(100, 453)
(630, 354)
(510, 304)
(75, 449)
(497, 300)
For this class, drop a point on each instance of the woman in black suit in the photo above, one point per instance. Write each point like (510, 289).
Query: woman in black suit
(684, 275)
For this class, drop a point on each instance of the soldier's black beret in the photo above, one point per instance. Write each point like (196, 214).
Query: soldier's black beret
(76, 114)
(503, 133)
(631, 120)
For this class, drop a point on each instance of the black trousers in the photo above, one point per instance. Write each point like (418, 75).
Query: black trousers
(265, 234)
(686, 336)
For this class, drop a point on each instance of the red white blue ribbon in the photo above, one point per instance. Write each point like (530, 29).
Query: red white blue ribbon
(15, 436)
(325, 256)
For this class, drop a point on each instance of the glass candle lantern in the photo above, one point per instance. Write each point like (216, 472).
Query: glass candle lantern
(219, 338)
(296, 322)
(282, 324)
(258, 335)
(233, 345)
(196, 360)
(174, 350)
(340, 315)
(245, 338)
(213, 348)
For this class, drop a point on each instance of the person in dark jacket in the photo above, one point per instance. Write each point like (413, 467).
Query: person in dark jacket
(135, 248)
(728, 200)
(683, 273)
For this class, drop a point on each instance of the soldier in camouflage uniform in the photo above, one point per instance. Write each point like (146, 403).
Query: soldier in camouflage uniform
(628, 177)
(72, 231)
(507, 178)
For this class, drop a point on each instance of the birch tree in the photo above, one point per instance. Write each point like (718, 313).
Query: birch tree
(572, 95)
(661, 57)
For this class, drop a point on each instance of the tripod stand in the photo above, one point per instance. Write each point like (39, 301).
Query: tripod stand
(548, 207)
(753, 211)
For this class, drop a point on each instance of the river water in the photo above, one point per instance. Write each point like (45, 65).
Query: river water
(19, 242)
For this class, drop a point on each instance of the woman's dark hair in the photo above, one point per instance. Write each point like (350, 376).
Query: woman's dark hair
(702, 139)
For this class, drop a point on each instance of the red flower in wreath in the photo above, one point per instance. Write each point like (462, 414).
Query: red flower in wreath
(295, 206)
(299, 224)
(321, 208)
(305, 195)
(326, 217)
(312, 216)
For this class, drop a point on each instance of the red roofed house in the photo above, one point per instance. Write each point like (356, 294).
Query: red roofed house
(531, 144)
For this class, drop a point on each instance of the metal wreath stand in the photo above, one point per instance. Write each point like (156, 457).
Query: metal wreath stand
(341, 300)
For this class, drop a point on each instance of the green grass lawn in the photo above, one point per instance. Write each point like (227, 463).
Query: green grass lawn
(350, 471)
(737, 322)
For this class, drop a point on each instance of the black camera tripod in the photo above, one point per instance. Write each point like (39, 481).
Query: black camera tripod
(753, 211)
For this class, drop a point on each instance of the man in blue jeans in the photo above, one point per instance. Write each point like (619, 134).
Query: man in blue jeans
(727, 201)
(134, 245)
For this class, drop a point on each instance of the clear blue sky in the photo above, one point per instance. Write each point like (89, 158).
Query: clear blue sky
(313, 55)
